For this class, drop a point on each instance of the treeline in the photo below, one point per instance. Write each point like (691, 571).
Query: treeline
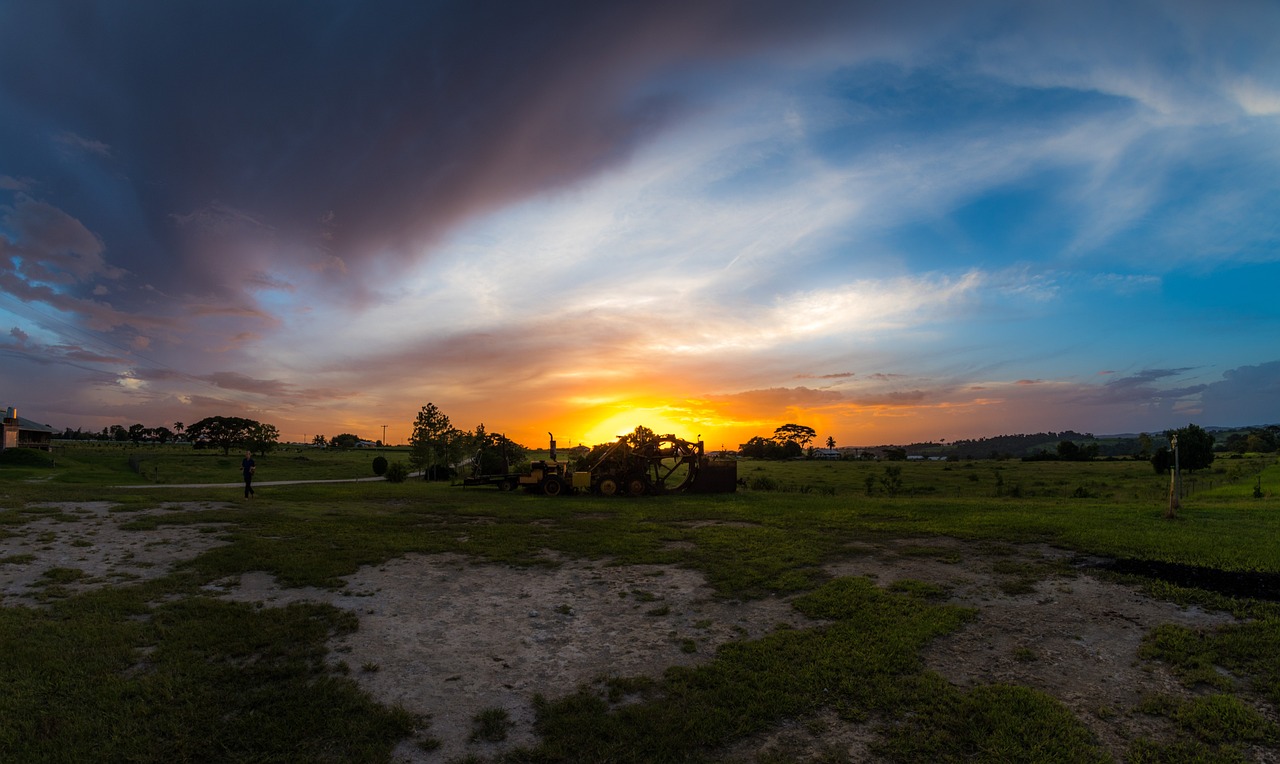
(1018, 446)
(118, 433)
(215, 431)
(1257, 440)
(1074, 446)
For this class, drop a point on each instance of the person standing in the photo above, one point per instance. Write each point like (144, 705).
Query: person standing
(247, 466)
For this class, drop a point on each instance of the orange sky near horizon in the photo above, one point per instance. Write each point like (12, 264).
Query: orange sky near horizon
(729, 421)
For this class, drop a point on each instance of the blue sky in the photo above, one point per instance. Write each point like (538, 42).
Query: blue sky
(888, 221)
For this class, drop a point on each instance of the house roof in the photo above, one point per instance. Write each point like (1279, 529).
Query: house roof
(30, 426)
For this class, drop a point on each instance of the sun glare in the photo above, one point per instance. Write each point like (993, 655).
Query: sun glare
(608, 430)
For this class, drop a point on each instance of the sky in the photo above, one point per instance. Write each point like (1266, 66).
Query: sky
(892, 222)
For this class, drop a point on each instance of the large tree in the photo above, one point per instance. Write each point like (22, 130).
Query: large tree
(1195, 447)
(344, 440)
(263, 439)
(227, 432)
(434, 441)
(794, 433)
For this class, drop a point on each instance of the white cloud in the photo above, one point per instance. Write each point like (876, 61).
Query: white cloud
(1256, 99)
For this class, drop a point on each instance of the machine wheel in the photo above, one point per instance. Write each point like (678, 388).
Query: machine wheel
(607, 487)
(508, 485)
(553, 486)
(637, 486)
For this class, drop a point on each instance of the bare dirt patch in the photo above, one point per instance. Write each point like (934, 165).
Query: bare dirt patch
(445, 637)
(448, 638)
(1043, 621)
(81, 546)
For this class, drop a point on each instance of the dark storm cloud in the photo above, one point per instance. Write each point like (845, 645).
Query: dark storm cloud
(63, 353)
(207, 137)
(49, 245)
(1141, 388)
(1246, 395)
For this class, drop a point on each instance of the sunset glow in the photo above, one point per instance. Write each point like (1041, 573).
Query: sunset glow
(888, 222)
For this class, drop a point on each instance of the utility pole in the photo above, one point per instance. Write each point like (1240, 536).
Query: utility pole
(1175, 483)
(384, 436)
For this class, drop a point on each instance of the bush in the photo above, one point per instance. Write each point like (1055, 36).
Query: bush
(380, 465)
(397, 472)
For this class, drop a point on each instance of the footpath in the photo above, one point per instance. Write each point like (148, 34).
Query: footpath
(257, 483)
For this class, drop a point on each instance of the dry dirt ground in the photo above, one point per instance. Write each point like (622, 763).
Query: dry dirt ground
(443, 636)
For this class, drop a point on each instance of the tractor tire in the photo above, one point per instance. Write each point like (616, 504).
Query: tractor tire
(607, 487)
(637, 486)
(553, 486)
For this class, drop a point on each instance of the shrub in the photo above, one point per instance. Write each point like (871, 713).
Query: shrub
(380, 465)
(397, 472)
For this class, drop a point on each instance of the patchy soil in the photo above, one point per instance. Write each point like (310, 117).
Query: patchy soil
(448, 638)
(81, 546)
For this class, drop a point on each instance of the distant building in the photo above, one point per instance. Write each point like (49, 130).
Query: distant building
(829, 454)
(24, 433)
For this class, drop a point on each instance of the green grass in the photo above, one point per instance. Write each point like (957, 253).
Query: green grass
(114, 464)
(109, 677)
(158, 671)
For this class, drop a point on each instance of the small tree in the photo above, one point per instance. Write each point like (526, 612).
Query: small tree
(379, 465)
(892, 479)
(397, 472)
(1162, 460)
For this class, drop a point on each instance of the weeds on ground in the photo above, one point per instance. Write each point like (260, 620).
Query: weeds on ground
(490, 726)
(114, 676)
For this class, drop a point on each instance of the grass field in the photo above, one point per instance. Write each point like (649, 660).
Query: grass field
(160, 670)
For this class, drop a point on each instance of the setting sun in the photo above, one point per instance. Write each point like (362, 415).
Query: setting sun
(653, 417)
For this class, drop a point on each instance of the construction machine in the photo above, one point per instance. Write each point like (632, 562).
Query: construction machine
(662, 464)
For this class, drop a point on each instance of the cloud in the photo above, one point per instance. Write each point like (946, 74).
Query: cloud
(1246, 395)
(230, 380)
(50, 246)
(592, 201)
(79, 143)
(1256, 99)
(1140, 388)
